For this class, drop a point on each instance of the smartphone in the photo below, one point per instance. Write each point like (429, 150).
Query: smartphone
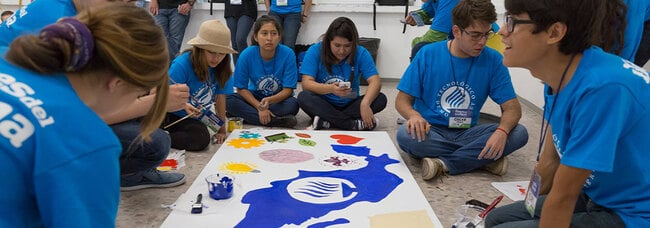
(477, 203)
(344, 84)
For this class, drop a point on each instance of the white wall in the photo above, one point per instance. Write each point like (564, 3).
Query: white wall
(394, 49)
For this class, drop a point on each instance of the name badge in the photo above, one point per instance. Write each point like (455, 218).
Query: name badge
(212, 120)
(282, 2)
(235, 2)
(533, 193)
(460, 118)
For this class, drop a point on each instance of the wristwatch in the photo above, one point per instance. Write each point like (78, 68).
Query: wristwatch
(191, 3)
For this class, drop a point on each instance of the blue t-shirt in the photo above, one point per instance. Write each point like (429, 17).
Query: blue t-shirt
(442, 11)
(204, 93)
(58, 159)
(635, 19)
(293, 6)
(364, 67)
(600, 123)
(33, 17)
(440, 82)
(266, 78)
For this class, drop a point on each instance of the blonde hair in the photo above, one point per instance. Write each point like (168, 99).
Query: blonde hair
(127, 43)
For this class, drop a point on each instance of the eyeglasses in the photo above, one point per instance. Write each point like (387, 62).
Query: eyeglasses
(511, 22)
(476, 36)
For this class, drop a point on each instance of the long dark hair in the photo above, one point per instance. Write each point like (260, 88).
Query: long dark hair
(612, 30)
(341, 27)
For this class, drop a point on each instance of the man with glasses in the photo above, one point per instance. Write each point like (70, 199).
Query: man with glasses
(441, 95)
(593, 147)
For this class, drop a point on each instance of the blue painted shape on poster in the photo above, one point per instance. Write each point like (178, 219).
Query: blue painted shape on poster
(329, 223)
(275, 206)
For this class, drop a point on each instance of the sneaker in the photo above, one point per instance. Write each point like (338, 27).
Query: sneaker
(359, 125)
(319, 124)
(150, 179)
(431, 168)
(283, 121)
(499, 167)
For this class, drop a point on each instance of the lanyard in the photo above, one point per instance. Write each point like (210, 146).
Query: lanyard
(453, 71)
(544, 128)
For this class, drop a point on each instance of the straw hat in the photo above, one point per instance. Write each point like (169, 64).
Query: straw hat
(213, 36)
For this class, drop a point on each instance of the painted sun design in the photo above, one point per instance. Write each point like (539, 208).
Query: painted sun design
(245, 143)
(239, 167)
(249, 135)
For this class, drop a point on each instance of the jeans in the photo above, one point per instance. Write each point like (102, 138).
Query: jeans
(290, 27)
(237, 106)
(459, 148)
(239, 29)
(138, 155)
(173, 25)
(586, 214)
(339, 117)
(190, 134)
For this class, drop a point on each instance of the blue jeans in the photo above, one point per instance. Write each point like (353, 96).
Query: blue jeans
(290, 27)
(339, 117)
(237, 106)
(459, 148)
(140, 156)
(239, 29)
(586, 214)
(173, 25)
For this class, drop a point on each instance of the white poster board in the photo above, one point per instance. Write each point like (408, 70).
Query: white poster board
(308, 179)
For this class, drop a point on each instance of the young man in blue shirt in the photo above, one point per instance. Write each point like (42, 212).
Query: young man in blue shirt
(441, 95)
(592, 170)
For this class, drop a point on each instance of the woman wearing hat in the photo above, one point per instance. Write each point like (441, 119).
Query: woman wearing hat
(205, 68)
(265, 78)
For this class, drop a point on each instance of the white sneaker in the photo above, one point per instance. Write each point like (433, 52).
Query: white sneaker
(319, 124)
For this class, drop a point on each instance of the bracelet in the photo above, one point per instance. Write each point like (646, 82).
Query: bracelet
(191, 3)
(504, 131)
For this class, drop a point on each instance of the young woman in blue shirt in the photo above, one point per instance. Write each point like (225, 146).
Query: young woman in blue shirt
(205, 69)
(57, 153)
(331, 71)
(265, 78)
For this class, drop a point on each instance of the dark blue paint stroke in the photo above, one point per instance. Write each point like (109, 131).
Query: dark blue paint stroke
(274, 207)
(329, 223)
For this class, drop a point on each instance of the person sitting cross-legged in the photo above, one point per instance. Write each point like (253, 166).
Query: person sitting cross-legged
(331, 72)
(441, 95)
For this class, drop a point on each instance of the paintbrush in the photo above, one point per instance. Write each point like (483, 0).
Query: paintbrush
(185, 117)
(179, 120)
(197, 207)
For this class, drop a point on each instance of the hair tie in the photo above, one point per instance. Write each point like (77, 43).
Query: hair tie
(76, 33)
